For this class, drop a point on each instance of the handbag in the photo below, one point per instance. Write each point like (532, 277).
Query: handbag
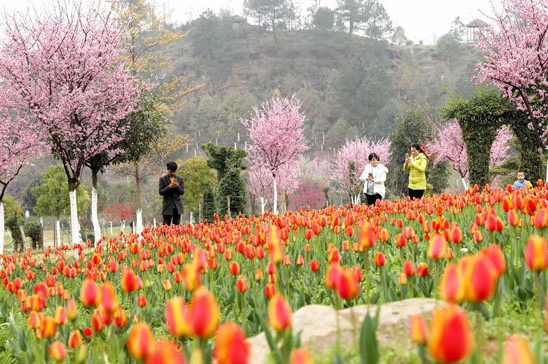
(370, 188)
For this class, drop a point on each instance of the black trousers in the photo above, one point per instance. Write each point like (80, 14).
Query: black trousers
(416, 194)
(174, 219)
(371, 199)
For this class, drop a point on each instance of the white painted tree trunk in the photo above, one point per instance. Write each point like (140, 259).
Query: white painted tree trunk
(94, 218)
(464, 184)
(263, 204)
(138, 228)
(2, 228)
(155, 220)
(57, 233)
(74, 224)
(275, 203)
(122, 225)
(111, 233)
(191, 218)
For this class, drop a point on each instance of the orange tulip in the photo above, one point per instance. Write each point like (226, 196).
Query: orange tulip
(176, 316)
(418, 331)
(48, 327)
(35, 320)
(379, 259)
(402, 278)
(422, 269)
(366, 236)
(75, 339)
(109, 301)
(72, 310)
(274, 242)
(140, 342)
(230, 345)
(332, 275)
(165, 352)
(141, 300)
(300, 356)
(204, 313)
(540, 219)
(57, 351)
(451, 285)
(530, 205)
(401, 241)
(536, 253)
(437, 247)
(279, 313)
(191, 277)
(347, 286)
(60, 315)
(480, 279)
(513, 218)
(130, 281)
(494, 253)
(166, 283)
(409, 268)
(98, 320)
(314, 265)
(90, 294)
(241, 284)
(270, 290)
(234, 268)
(517, 351)
(450, 335)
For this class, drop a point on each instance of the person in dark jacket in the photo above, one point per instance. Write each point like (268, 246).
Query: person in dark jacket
(172, 187)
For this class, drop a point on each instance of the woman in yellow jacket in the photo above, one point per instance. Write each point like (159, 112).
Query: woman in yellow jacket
(416, 166)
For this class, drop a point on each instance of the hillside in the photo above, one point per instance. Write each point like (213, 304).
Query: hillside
(349, 85)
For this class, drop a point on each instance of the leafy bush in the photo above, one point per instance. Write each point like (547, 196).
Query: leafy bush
(34, 231)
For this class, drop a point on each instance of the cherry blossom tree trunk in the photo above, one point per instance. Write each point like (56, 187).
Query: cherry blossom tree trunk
(138, 227)
(464, 184)
(94, 218)
(263, 204)
(74, 224)
(57, 232)
(2, 227)
(275, 203)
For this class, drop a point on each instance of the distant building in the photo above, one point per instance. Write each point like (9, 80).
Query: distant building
(473, 30)
(238, 22)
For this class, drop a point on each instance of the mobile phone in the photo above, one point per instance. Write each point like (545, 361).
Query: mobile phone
(406, 155)
(370, 174)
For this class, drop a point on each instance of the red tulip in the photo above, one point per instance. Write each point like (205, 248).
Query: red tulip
(270, 290)
(536, 253)
(241, 284)
(437, 247)
(418, 331)
(204, 313)
(75, 339)
(347, 286)
(517, 351)
(90, 294)
(422, 269)
(409, 268)
(165, 352)
(300, 356)
(494, 253)
(176, 317)
(57, 351)
(451, 285)
(480, 279)
(379, 259)
(230, 345)
(366, 236)
(450, 335)
(130, 280)
(191, 277)
(314, 265)
(140, 342)
(279, 313)
(234, 268)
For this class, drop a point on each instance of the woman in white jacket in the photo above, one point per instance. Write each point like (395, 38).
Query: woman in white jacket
(374, 176)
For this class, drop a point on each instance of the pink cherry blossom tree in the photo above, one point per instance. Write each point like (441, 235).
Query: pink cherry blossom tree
(62, 67)
(19, 141)
(515, 58)
(276, 130)
(450, 146)
(350, 161)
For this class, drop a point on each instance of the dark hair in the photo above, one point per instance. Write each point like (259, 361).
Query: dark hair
(374, 155)
(418, 147)
(520, 171)
(172, 166)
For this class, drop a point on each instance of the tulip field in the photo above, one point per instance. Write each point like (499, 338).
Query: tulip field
(193, 293)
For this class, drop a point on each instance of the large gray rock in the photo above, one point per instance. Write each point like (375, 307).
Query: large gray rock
(318, 326)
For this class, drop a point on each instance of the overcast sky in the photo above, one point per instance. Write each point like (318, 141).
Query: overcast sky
(423, 20)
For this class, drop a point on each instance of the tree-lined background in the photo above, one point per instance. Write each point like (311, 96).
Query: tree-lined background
(359, 83)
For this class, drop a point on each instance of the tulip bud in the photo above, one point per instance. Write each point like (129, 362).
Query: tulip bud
(176, 316)
(422, 269)
(109, 301)
(241, 284)
(279, 313)
(130, 280)
(191, 277)
(409, 268)
(418, 331)
(270, 290)
(204, 313)
(230, 345)
(366, 236)
(347, 286)
(98, 320)
(274, 243)
(234, 268)
(495, 255)
(140, 342)
(517, 351)
(314, 265)
(165, 352)
(48, 327)
(300, 356)
(402, 278)
(57, 351)
(75, 339)
(536, 253)
(450, 335)
(451, 285)
(90, 294)
(379, 259)
(437, 247)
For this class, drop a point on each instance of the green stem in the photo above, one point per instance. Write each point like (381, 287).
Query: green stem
(366, 260)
